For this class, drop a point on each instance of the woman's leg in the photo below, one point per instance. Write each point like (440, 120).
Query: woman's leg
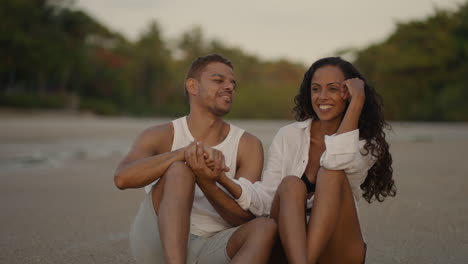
(333, 232)
(288, 209)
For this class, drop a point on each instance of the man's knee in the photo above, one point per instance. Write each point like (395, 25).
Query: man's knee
(291, 185)
(179, 172)
(178, 166)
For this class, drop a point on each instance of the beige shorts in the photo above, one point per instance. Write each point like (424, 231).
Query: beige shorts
(146, 244)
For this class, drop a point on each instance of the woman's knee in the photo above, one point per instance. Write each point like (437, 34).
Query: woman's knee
(291, 185)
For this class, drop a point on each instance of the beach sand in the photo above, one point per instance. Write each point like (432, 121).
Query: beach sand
(59, 205)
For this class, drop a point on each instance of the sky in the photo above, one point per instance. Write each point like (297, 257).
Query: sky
(301, 31)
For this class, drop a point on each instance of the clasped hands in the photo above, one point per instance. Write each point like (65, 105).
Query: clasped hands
(206, 163)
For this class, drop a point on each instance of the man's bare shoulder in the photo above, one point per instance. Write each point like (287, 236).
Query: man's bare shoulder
(249, 158)
(247, 139)
(249, 145)
(158, 138)
(159, 130)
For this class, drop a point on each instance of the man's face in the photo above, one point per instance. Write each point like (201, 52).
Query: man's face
(216, 88)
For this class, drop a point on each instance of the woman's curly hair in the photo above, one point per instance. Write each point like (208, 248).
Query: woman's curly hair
(379, 182)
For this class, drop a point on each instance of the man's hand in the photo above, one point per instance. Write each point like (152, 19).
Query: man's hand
(213, 156)
(195, 155)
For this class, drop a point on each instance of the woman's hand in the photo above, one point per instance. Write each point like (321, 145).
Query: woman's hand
(353, 89)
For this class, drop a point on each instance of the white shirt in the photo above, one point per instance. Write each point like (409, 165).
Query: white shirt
(289, 154)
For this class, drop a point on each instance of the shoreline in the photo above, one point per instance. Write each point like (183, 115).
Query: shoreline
(67, 210)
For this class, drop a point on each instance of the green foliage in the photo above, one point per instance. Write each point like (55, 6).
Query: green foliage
(33, 100)
(99, 106)
(50, 51)
(50, 48)
(421, 68)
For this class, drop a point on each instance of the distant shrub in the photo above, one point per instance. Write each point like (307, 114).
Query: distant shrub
(98, 106)
(33, 101)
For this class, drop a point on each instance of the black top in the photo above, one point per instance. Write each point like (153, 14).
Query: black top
(309, 186)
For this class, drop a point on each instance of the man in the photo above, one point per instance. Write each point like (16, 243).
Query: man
(186, 216)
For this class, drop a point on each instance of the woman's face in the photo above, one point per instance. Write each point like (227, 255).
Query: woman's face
(326, 92)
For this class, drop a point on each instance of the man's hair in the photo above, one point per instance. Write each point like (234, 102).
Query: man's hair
(199, 64)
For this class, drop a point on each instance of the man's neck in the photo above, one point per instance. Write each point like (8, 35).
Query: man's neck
(207, 128)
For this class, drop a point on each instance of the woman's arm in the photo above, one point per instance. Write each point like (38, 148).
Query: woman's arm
(346, 152)
(354, 92)
(249, 166)
(258, 196)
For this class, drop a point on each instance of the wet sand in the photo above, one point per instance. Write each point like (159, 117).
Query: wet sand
(59, 205)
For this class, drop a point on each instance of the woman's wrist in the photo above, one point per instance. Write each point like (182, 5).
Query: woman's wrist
(233, 188)
(351, 119)
(358, 100)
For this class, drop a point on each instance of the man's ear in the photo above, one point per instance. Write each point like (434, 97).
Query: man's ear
(192, 86)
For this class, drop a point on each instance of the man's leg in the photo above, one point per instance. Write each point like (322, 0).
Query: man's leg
(145, 241)
(172, 201)
(252, 242)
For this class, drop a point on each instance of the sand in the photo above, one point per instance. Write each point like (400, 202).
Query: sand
(59, 205)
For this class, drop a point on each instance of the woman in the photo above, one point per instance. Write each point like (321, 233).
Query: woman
(321, 165)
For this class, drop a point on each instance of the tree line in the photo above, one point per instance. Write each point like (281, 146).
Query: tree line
(56, 56)
(421, 70)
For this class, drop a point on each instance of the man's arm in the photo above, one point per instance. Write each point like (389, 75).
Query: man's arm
(148, 158)
(250, 165)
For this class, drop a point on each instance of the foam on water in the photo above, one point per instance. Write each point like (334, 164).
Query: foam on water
(32, 143)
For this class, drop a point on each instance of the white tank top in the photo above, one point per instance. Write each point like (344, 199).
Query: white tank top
(204, 220)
